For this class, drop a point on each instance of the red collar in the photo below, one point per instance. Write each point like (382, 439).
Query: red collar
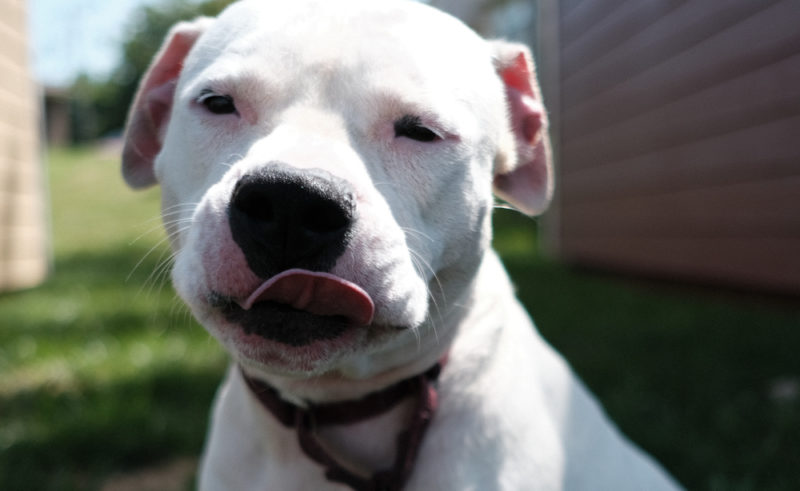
(307, 420)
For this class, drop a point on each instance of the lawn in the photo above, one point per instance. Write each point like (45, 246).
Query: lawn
(103, 371)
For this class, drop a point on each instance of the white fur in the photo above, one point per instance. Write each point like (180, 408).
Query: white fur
(319, 84)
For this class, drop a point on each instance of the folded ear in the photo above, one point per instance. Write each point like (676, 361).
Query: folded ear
(525, 179)
(149, 114)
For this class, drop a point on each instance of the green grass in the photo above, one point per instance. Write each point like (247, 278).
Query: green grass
(687, 374)
(103, 371)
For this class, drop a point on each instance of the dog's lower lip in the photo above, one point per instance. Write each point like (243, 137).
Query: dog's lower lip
(219, 301)
(281, 323)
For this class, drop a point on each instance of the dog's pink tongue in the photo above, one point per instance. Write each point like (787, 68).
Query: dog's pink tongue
(318, 293)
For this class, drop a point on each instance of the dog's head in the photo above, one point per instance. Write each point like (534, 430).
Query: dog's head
(327, 171)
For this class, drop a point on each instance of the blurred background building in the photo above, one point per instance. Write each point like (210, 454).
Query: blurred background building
(676, 127)
(24, 254)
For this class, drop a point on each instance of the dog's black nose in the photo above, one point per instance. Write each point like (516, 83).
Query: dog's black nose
(284, 218)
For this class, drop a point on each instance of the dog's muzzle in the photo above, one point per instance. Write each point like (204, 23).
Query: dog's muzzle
(292, 225)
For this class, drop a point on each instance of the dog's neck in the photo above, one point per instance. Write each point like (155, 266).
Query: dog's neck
(339, 385)
(309, 423)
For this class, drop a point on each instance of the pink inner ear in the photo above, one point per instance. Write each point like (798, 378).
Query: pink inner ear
(144, 133)
(153, 104)
(169, 64)
(527, 115)
(159, 104)
(517, 75)
(528, 185)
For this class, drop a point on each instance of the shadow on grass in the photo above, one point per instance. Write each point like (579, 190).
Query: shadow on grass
(82, 436)
(109, 288)
(71, 416)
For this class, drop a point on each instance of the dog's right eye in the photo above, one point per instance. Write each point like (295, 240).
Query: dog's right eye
(217, 104)
(412, 127)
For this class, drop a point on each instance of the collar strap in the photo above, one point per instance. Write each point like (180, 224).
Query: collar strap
(307, 420)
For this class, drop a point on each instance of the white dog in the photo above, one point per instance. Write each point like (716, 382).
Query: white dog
(328, 170)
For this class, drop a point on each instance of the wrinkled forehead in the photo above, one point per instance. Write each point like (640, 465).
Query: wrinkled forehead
(346, 41)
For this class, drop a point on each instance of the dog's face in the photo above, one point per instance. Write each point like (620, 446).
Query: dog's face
(327, 172)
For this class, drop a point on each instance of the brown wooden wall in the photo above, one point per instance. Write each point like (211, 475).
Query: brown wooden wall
(678, 137)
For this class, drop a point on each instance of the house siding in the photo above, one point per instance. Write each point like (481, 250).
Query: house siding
(678, 138)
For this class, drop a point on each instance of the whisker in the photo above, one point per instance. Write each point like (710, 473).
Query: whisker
(389, 184)
(160, 274)
(503, 206)
(420, 264)
(180, 206)
(417, 233)
(166, 213)
(232, 160)
(428, 267)
(147, 232)
(145, 256)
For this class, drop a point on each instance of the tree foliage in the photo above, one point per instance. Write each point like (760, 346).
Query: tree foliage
(99, 107)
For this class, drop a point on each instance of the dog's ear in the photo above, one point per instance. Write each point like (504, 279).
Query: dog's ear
(150, 111)
(525, 179)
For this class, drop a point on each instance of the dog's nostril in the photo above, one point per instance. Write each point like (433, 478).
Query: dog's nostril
(254, 204)
(321, 218)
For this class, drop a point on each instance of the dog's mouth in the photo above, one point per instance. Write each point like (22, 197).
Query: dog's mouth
(299, 307)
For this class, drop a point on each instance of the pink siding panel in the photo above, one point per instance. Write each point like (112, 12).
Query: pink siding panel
(679, 139)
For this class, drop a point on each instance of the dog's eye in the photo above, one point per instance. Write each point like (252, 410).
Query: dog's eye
(412, 127)
(217, 104)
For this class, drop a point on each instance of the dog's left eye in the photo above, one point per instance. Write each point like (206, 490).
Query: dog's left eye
(412, 127)
(217, 104)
